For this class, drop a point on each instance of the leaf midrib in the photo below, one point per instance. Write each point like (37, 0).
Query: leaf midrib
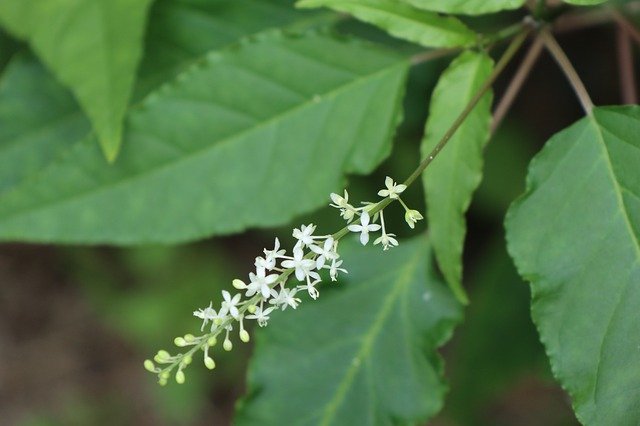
(133, 177)
(403, 280)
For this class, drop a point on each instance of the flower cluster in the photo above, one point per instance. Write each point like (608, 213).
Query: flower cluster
(267, 289)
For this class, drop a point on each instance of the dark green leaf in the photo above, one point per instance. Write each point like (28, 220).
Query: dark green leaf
(364, 353)
(244, 139)
(403, 21)
(449, 181)
(93, 46)
(575, 236)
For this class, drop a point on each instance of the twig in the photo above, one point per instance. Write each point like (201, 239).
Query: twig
(625, 25)
(567, 68)
(516, 83)
(432, 54)
(628, 89)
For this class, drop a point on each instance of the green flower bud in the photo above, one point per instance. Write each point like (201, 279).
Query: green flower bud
(209, 363)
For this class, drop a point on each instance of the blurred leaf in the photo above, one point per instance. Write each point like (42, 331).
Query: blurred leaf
(450, 181)
(364, 353)
(92, 46)
(499, 317)
(181, 32)
(403, 21)
(585, 2)
(575, 236)
(252, 141)
(38, 120)
(466, 7)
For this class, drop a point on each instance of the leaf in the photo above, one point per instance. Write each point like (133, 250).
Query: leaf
(39, 120)
(92, 46)
(449, 182)
(364, 353)
(403, 21)
(575, 235)
(466, 7)
(181, 32)
(585, 2)
(251, 141)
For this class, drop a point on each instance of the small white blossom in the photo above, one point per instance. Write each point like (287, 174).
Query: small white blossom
(393, 189)
(364, 228)
(304, 235)
(261, 316)
(334, 268)
(260, 282)
(311, 288)
(301, 265)
(387, 241)
(411, 217)
(326, 252)
(285, 298)
(207, 314)
(229, 304)
(347, 211)
(272, 255)
(268, 263)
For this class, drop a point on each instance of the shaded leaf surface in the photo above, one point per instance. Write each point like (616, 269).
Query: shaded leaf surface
(403, 21)
(251, 141)
(575, 236)
(449, 182)
(93, 47)
(333, 361)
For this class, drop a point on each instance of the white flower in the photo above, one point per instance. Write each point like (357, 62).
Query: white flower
(364, 228)
(347, 211)
(260, 283)
(393, 189)
(285, 298)
(268, 263)
(207, 314)
(304, 235)
(311, 288)
(411, 217)
(272, 255)
(260, 315)
(229, 305)
(387, 241)
(302, 266)
(326, 252)
(334, 268)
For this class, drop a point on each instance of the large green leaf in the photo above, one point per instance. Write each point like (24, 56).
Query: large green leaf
(403, 21)
(39, 120)
(181, 32)
(450, 180)
(364, 353)
(575, 235)
(245, 138)
(93, 46)
(585, 2)
(466, 7)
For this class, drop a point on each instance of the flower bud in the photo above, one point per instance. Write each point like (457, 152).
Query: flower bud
(252, 309)
(180, 377)
(227, 345)
(244, 336)
(239, 284)
(189, 338)
(209, 363)
(162, 357)
(149, 366)
(180, 342)
(212, 341)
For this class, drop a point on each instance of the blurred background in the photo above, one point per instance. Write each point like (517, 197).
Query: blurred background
(77, 322)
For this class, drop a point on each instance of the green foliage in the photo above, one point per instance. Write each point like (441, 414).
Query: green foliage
(93, 46)
(403, 21)
(364, 353)
(575, 236)
(228, 114)
(585, 2)
(449, 182)
(466, 7)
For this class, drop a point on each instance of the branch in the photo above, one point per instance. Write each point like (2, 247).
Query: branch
(567, 68)
(628, 89)
(625, 25)
(516, 83)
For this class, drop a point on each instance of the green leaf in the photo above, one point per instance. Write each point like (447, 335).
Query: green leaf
(93, 47)
(425, 28)
(575, 235)
(251, 141)
(585, 2)
(466, 7)
(449, 181)
(364, 353)
(39, 120)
